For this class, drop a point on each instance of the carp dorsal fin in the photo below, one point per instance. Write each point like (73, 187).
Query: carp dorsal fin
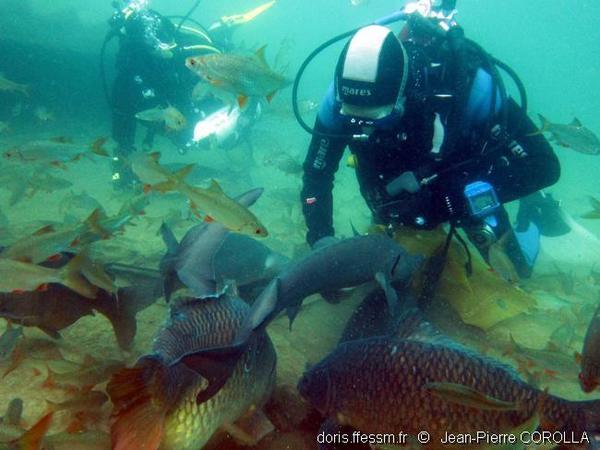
(215, 187)
(576, 122)
(410, 325)
(260, 55)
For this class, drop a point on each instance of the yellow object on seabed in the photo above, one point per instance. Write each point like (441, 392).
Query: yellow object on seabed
(238, 19)
(483, 298)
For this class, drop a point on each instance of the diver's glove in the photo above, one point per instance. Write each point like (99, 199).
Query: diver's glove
(544, 212)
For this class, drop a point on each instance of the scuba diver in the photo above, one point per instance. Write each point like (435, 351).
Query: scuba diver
(152, 79)
(433, 138)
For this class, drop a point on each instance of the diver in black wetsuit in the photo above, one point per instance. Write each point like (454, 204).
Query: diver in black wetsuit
(151, 72)
(432, 141)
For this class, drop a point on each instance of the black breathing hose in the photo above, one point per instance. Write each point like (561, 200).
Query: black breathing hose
(299, 74)
(187, 16)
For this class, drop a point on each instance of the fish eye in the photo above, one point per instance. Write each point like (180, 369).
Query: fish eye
(258, 231)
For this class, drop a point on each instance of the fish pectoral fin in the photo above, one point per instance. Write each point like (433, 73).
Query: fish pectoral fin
(390, 293)
(215, 365)
(467, 396)
(250, 428)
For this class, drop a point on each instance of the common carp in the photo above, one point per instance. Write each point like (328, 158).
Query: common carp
(162, 402)
(415, 379)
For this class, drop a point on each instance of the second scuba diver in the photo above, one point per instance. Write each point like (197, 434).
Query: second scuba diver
(151, 73)
(434, 139)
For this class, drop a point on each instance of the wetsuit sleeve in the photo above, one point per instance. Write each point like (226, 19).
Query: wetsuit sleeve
(321, 164)
(528, 163)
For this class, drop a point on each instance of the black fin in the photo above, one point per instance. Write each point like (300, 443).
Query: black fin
(216, 366)
(248, 198)
(292, 312)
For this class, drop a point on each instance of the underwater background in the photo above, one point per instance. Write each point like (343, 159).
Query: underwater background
(55, 49)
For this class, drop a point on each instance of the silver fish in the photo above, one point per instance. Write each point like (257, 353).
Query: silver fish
(573, 135)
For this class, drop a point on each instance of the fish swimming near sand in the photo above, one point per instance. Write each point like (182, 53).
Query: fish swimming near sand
(432, 383)
(550, 362)
(58, 307)
(171, 116)
(55, 151)
(209, 257)
(212, 204)
(48, 241)
(329, 268)
(11, 86)
(573, 135)
(589, 377)
(42, 114)
(162, 401)
(240, 75)
(17, 276)
(37, 182)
